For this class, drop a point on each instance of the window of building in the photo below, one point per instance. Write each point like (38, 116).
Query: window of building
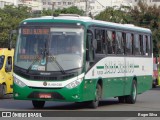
(59, 3)
(69, 3)
(156, 1)
(44, 3)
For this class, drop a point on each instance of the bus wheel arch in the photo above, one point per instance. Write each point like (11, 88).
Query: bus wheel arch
(131, 99)
(98, 94)
(134, 78)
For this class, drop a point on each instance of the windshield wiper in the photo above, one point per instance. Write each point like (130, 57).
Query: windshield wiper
(44, 53)
(35, 60)
(53, 58)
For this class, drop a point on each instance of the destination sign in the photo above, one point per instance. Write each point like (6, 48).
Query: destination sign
(35, 31)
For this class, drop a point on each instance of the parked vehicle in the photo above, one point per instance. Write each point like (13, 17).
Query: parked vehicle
(155, 72)
(6, 71)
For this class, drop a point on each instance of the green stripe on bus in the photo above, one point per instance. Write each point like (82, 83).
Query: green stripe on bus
(100, 67)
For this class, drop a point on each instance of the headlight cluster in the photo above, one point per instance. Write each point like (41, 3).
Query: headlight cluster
(18, 82)
(74, 83)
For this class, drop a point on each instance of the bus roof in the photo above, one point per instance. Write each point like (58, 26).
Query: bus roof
(87, 21)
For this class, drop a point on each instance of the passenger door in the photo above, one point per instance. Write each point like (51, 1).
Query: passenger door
(8, 74)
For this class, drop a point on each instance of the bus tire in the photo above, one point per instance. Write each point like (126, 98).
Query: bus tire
(38, 104)
(2, 91)
(153, 86)
(121, 99)
(131, 99)
(98, 92)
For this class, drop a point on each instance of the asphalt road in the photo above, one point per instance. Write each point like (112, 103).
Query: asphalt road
(146, 102)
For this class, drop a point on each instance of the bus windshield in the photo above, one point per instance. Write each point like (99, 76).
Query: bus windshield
(49, 49)
(1, 61)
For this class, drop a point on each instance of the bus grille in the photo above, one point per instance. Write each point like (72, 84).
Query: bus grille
(49, 78)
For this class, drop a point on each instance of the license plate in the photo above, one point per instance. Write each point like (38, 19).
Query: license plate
(44, 95)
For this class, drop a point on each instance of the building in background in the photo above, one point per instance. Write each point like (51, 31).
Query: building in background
(57, 4)
(149, 2)
(7, 2)
(35, 5)
(96, 6)
(90, 6)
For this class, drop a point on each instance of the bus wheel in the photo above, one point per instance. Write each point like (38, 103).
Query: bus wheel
(132, 97)
(38, 104)
(121, 99)
(94, 103)
(2, 91)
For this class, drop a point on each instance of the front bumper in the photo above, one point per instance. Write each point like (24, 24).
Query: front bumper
(57, 94)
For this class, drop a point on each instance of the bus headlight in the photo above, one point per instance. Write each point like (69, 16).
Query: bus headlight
(74, 83)
(19, 83)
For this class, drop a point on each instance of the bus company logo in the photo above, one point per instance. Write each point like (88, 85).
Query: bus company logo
(45, 83)
(6, 114)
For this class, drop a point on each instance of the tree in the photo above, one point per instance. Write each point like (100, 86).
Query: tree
(70, 10)
(141, 15)
(113, 14)
(10, 18)
(148, 17)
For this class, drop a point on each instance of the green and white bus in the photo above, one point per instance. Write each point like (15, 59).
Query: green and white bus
(78, 59)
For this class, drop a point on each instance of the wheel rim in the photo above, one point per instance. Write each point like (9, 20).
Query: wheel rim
(97, 94)
(134, 92)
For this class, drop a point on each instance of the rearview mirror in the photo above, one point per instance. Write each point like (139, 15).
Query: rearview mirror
(10, 38)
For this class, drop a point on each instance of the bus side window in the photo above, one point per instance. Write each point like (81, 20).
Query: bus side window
(89, 49)
(137, 45)
(128, 44)
(144, 45)
(119, 40)
(114, 42)
(148, 44)
(124, 42)
(141, 44)
(132, 41)
(100, 37)
(109, 42)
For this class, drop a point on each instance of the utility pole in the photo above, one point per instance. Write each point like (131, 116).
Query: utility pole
(87, 7)
(86, 10)
(53, 3)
